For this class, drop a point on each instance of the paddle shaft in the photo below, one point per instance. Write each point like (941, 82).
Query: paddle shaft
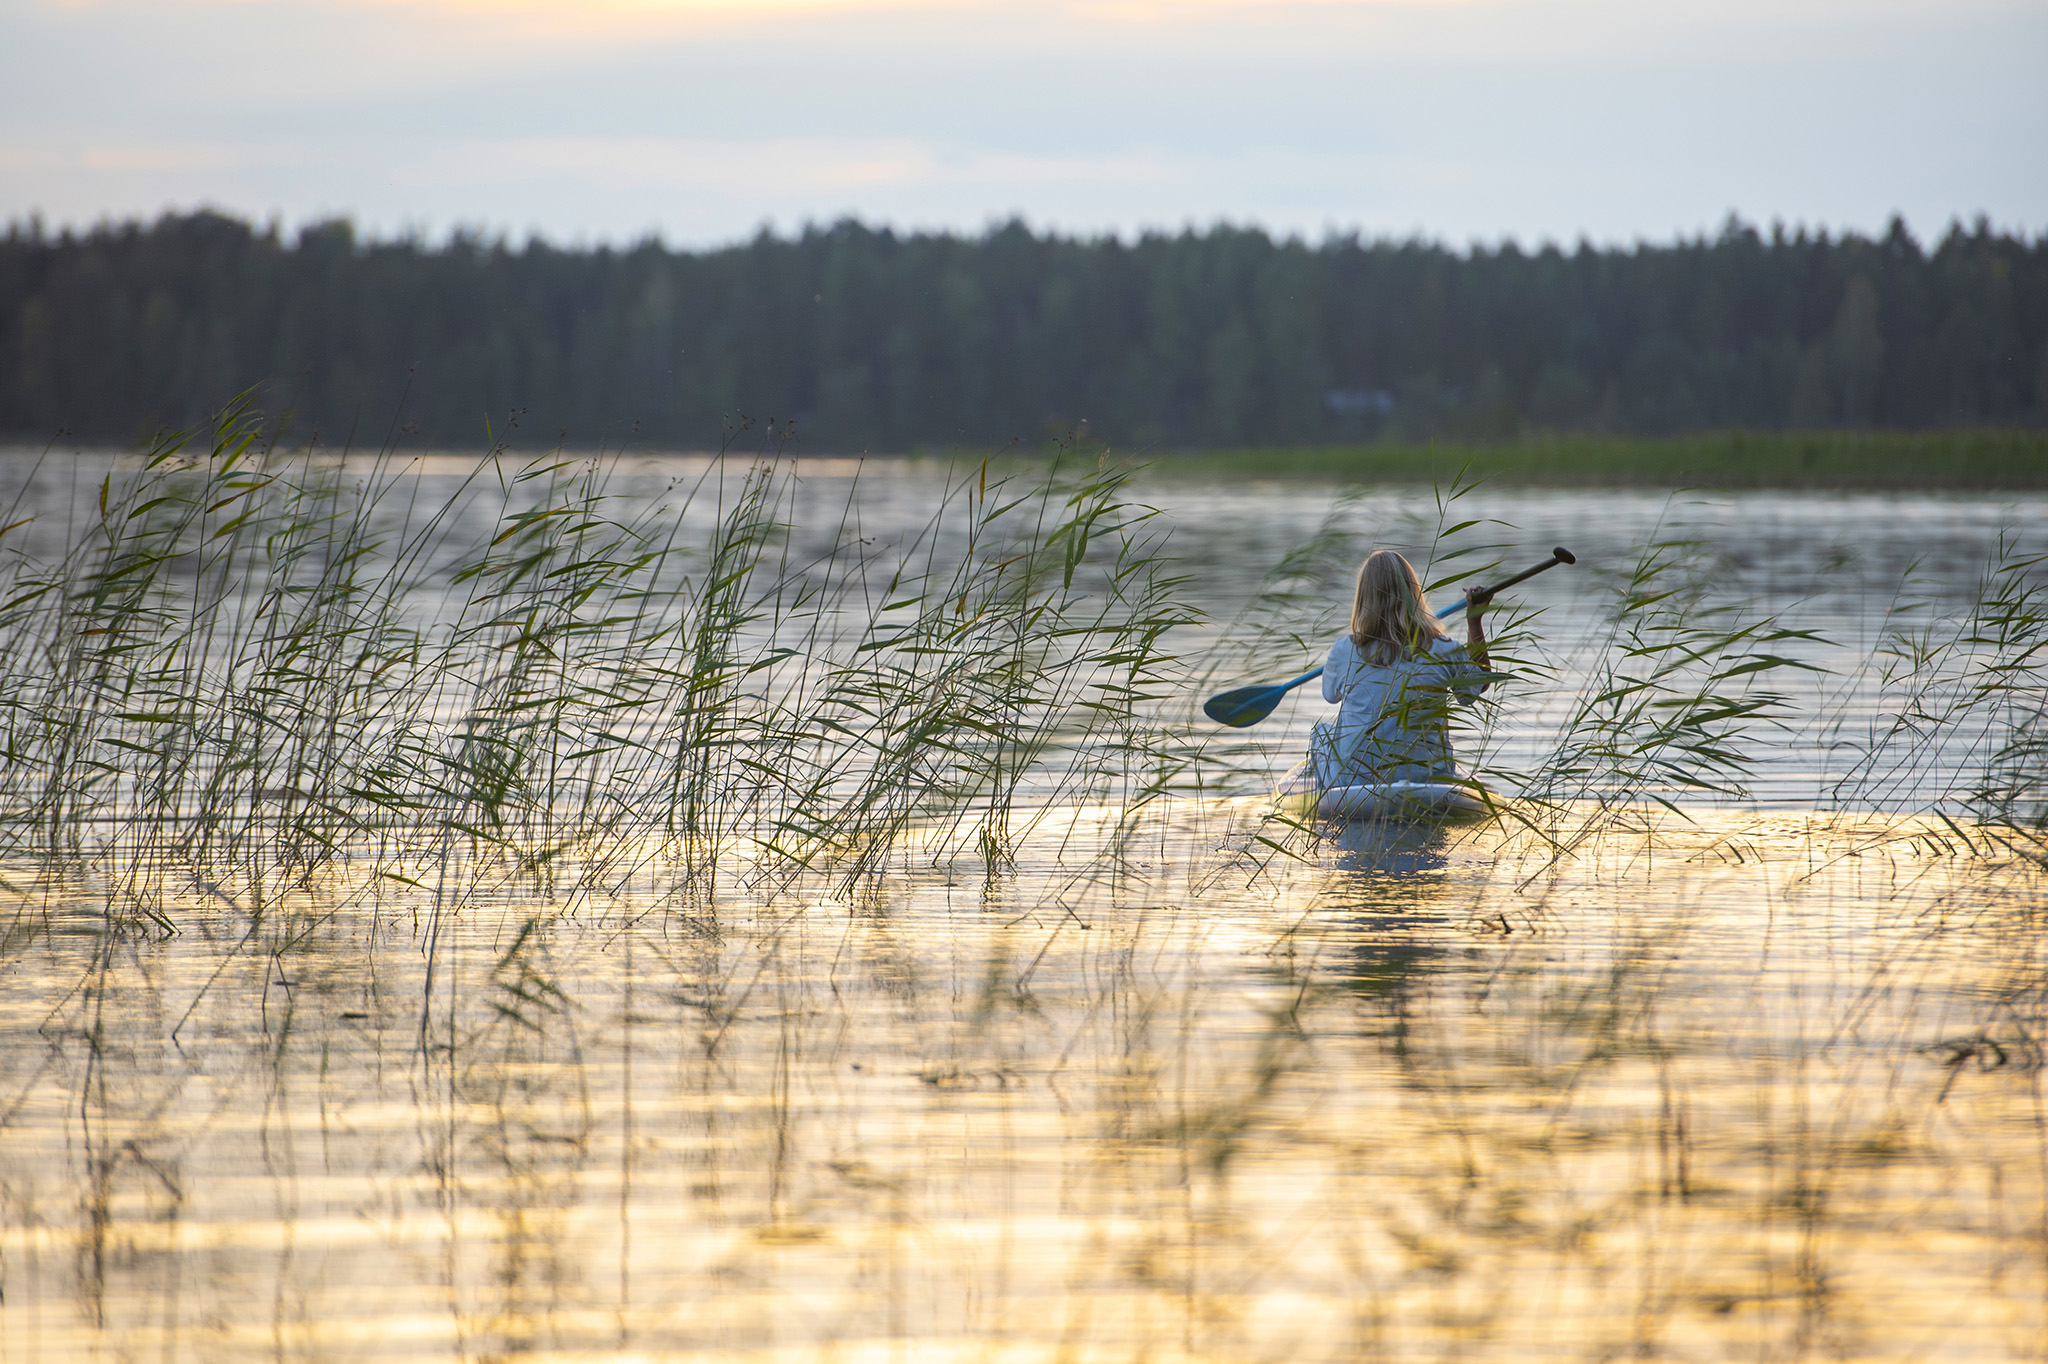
(1560, 555)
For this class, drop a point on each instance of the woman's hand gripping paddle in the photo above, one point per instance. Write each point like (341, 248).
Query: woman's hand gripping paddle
(1249, 705)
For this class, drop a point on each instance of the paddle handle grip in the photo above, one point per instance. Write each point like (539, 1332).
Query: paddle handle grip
(1560, 555)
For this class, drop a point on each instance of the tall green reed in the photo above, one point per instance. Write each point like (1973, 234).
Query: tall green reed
(1012, 662)
(256, 661)
(1970, 681)
(1684, 685)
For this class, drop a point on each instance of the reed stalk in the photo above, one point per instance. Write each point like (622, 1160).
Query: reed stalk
(255, 661)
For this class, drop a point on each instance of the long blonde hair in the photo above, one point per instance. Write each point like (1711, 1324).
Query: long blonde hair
(1390, 618)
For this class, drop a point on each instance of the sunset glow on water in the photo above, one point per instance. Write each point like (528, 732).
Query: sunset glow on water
(1746, 1085)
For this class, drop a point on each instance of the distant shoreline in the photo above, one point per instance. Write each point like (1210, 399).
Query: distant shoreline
(1979, 461)
(1937, 461)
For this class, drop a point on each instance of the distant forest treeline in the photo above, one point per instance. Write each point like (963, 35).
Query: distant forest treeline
(874, 340)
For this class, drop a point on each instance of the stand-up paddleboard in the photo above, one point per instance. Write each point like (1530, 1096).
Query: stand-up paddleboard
(1299, 795)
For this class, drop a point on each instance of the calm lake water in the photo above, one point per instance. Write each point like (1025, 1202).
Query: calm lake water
(1759, 1078)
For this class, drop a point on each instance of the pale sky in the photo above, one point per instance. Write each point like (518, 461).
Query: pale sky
(701, 121)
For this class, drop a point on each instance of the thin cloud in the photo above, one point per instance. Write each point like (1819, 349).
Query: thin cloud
(1462, 118)
(778, 168)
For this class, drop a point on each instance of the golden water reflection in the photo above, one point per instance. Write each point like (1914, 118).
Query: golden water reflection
(1758, 1088)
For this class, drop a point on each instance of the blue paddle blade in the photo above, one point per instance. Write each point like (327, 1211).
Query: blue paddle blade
(1243, 707)
(1249, 705)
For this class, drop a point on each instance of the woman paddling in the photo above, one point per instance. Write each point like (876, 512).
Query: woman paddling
(1394, 677)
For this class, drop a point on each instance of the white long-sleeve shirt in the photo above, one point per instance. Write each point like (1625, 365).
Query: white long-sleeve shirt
(1393, 721)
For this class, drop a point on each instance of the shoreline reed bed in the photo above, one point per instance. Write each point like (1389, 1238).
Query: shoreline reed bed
(248, 665)
(252, 661)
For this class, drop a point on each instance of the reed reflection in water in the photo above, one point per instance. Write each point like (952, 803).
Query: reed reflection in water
(1753, 1086)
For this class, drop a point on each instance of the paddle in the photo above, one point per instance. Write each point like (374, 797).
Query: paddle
(1249, 705)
